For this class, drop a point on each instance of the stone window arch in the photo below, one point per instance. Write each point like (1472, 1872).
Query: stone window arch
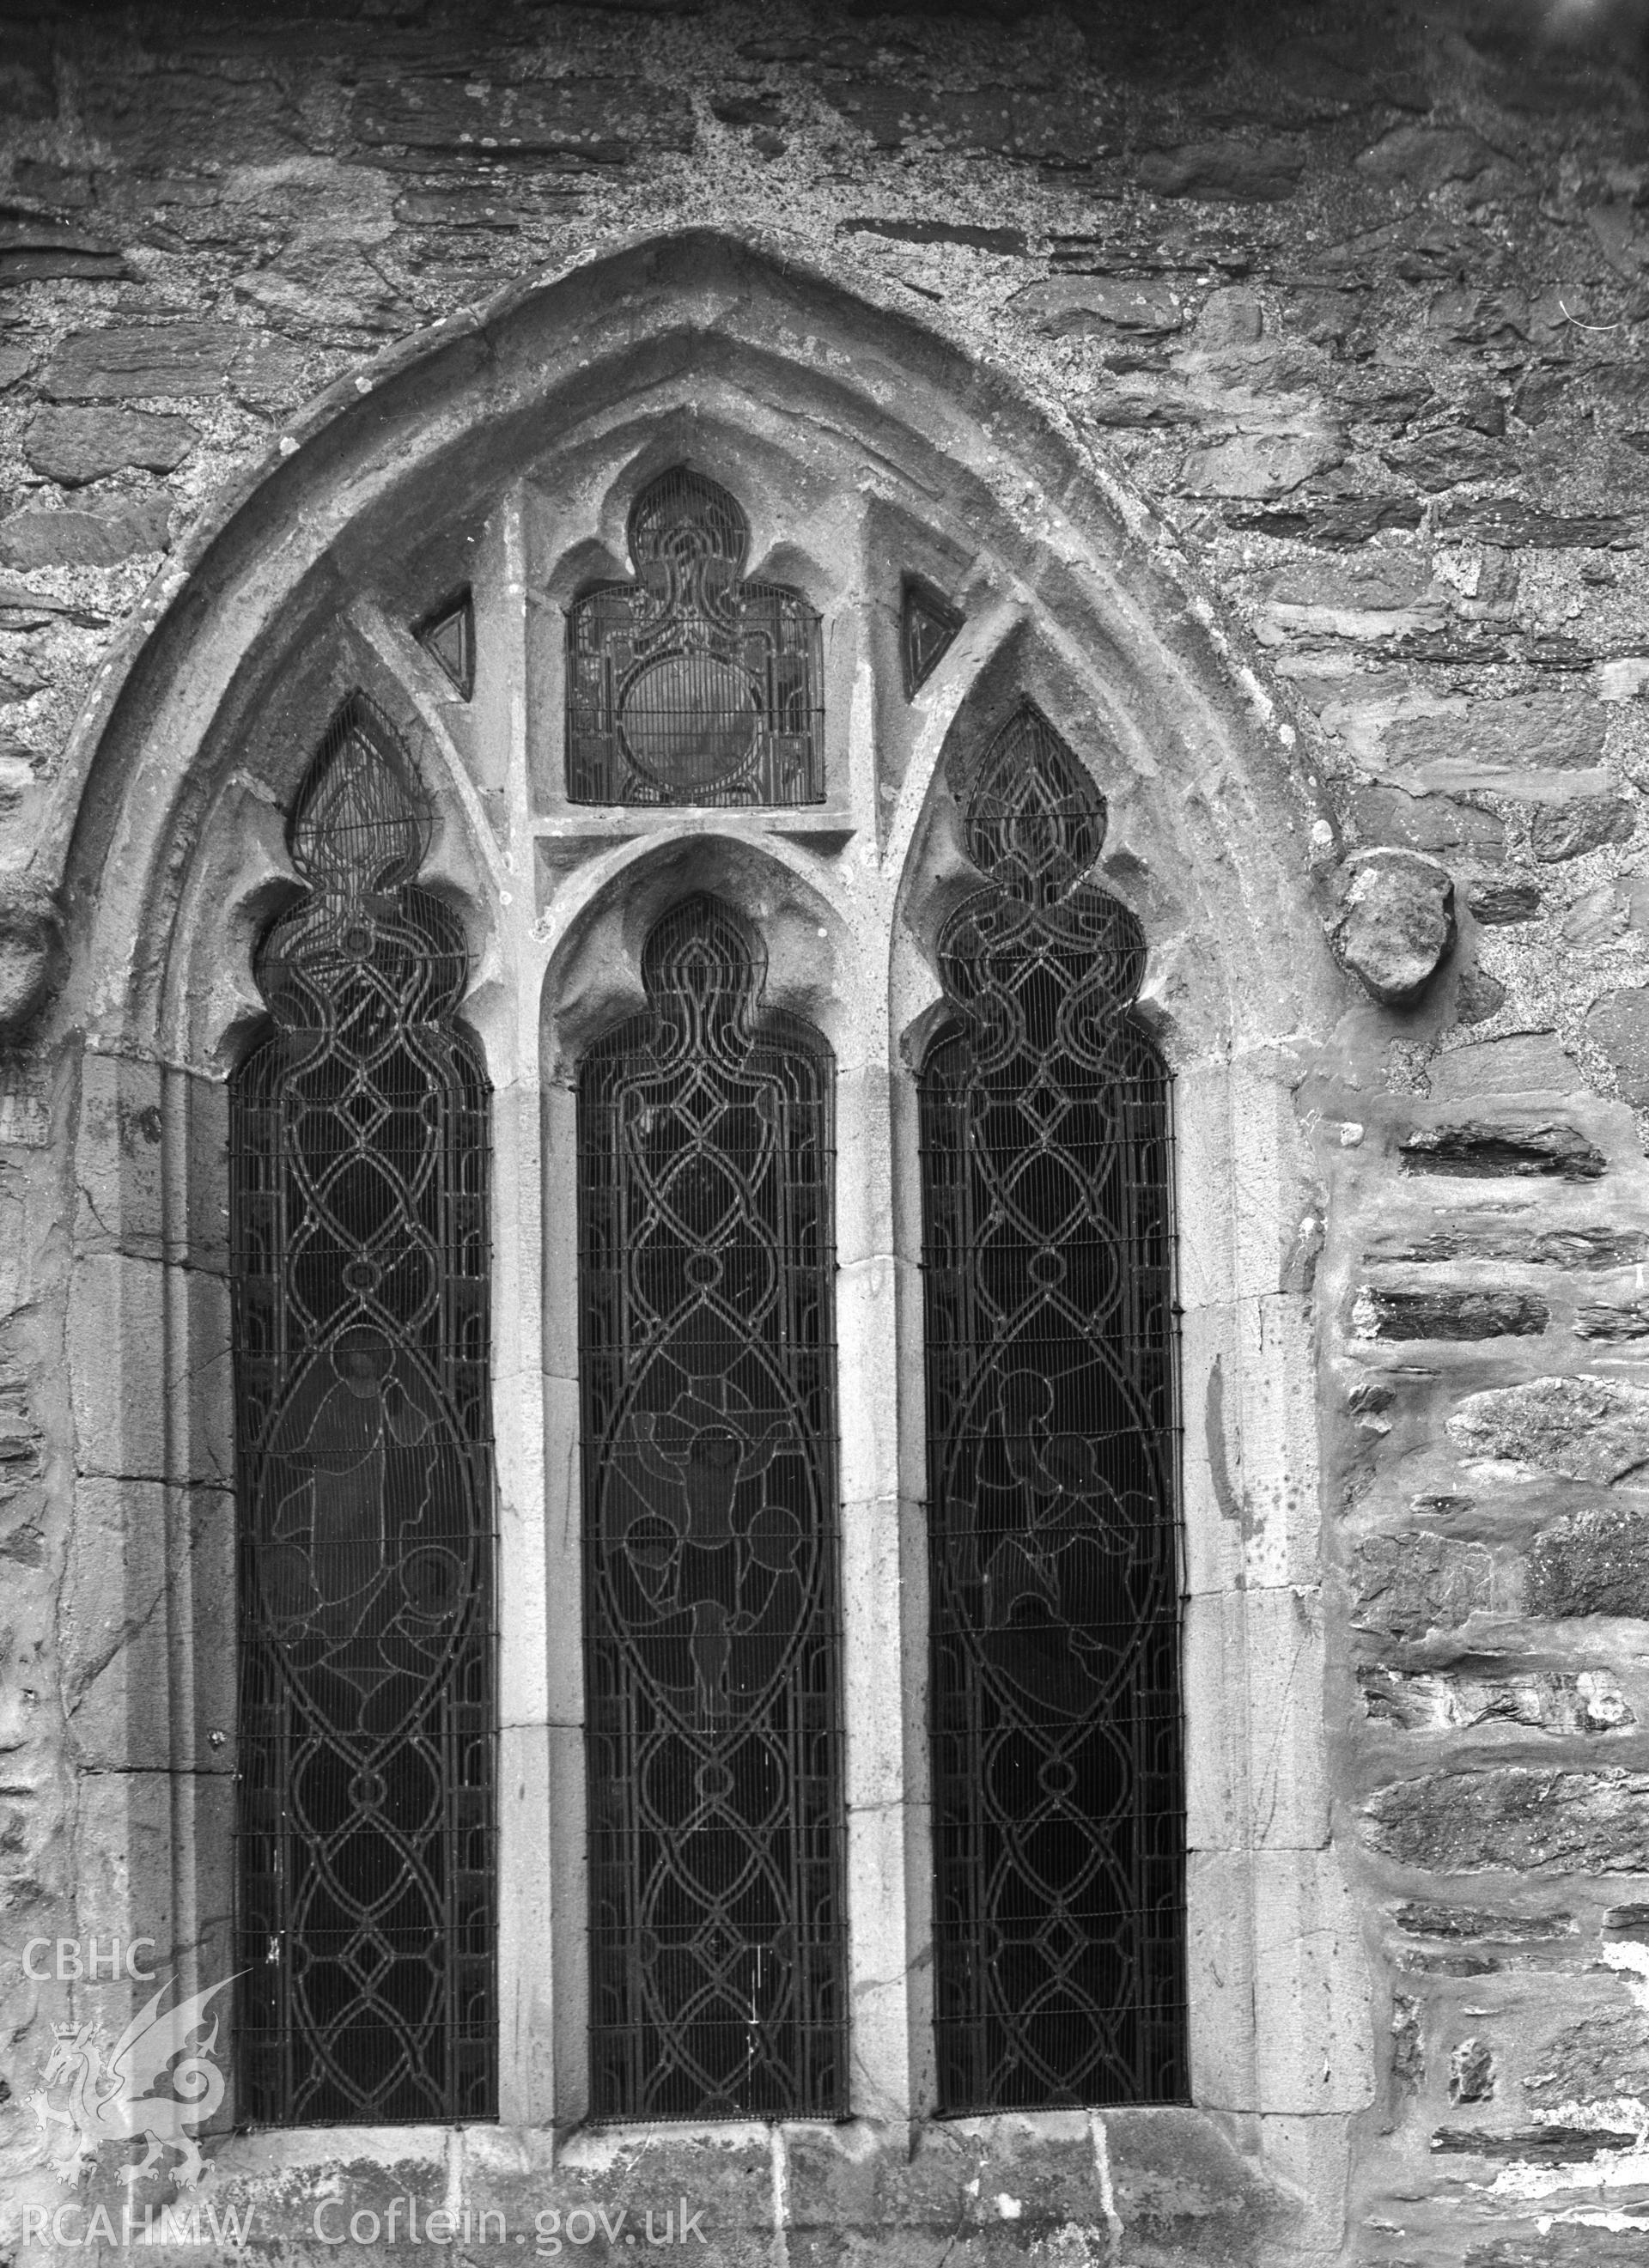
(871, 459)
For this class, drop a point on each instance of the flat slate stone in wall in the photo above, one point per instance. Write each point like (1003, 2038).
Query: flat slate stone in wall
(77, 537)
(75, 446)
(1516, 1819)
(1594, 1562)
(1585, 1429)
(1499, 745)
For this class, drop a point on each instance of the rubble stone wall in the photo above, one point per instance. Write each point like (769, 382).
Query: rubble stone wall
(1338, 318)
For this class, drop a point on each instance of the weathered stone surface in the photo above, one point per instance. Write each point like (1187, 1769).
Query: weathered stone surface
(1478, 1922)
(1225, 170)
(1408, 1585)
(1494, 743)
(1569, 830)
(73, 447)
(1584, 1248)
(1514, 524)
(1382, 582)
(1181, 2190)
(33, 250)
(1347, 68)
(1475, 318)
(1613, 1322)
(1337, 525)
(1590, 1562)
(153, 118)
(1607, 2055)
(1471, 2072)
(1449, 1315)
(1618, 1023)
(1493, 1147)
(1564, 2145)
(1091, 305)
(1477, 996)
(1523, 1064)
(1429, 822)
(145, 362)
(1543, 2244)
(1018, 121)
(1585, 1429)
(77, 538)
(1497, 901)
(1383, 394)
(599, 118)
(1517, 1817)
(1601, 914)
(31, 955)
(1624, 680)
(975, 235)
(1230, 317)
(19, 679)
(51, 183)
(1259, 464)
(1407, 2044)
(1444, 457)
(324, 288)
(1143, 402)
(1561, 1702)
(1396, 921)
(16, 362)
(1423, 158)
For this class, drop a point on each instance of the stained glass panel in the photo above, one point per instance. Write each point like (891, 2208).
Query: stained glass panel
(360, 1141)
(714, 1744)
(1059, 1812)
(691, 685)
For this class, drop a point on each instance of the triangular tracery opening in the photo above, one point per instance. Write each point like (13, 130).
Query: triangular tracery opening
(927, 630)
(449, 634)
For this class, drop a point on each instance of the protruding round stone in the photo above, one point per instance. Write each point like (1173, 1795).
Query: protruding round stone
(1396, 921)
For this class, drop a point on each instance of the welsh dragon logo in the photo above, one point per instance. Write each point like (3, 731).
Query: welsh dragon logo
(109, 2102)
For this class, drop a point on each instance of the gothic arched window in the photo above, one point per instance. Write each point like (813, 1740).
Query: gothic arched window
(359, 1135)
(717, 1936)
(691, 685)
(1058, 1814)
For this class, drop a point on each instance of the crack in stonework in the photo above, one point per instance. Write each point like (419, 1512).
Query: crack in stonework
(1107, 2194)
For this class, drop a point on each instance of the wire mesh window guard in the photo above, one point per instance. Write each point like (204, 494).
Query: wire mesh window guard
(359, 1154)
(707, 1360)
(690, 685)
(1059, 1812)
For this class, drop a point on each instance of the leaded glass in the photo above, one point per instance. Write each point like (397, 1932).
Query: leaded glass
(713, 1741)
(691, 685)
(359, 1138)
(1058, 1814)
